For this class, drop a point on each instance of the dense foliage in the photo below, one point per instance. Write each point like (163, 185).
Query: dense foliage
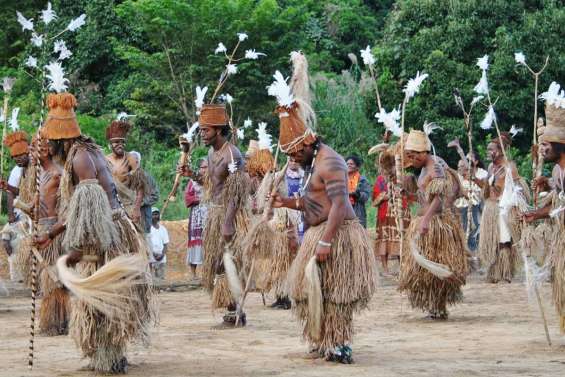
(146, 57)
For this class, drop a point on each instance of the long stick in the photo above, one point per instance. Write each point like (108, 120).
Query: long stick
(5, 126)
(542, 312)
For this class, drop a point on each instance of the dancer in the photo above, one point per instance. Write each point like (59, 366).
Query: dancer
(499, 231)
(96, 229)
(228, 213)
(552, 145)
(336, 249)
(435, 232)
(387, 241)
(126, 170)
(20, 186)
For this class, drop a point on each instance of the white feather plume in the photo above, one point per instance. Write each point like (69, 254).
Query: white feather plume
(48, 14)
(515, 131)
(26, 24)
(264, 139)
(413, 85)
(221, 48)
(124, 116)
(281, 90)
(37, 39)
(31, 62)
(242, 36)
(490, 116)
(200, 94)
(56, 76)
(520, 58)
(189, 136)
(253, 55)
(247, 123)
(482, 63)
(482, 86)
(240, 134)
(554, 96)
(476, 100)
(231, 69)
(390, 120)
(14, 126)
(367, 55)
(2, 118)
(430, 127)
(77, 23)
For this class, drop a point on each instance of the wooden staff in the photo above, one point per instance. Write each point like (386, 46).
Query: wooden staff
(264, 219)
(184, 158)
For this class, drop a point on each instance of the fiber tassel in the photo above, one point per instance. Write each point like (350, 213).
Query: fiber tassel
(107, 289)
(314, 294)
(233, 279)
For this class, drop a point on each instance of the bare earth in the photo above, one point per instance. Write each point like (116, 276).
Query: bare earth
(495, 332)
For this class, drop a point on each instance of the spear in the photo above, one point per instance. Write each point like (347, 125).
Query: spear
(7, 84)
(536, 172)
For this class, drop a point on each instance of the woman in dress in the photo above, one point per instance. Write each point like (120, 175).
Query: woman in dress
(195, 202)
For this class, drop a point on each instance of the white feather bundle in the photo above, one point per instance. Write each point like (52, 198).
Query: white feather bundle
(189, 136)
(264, 140)
(240, 134)
(14, 126)
(253, 55)
(520, 58)
(515, 131)
(56, 76)
(2, 118)
(390, 120)
(490, 116)
(48, 14)
(482, 86)
(281, 90)
(482, 63)
(220, 49)
(476, 100)
(37, 39)
(413, 85)
(247, 123)
(31, 62)
(200, 94)
(429, 128)
(24, 22)
(367, 55)
(481, 174)
(123, 116)
(554, 96)
(77, 23)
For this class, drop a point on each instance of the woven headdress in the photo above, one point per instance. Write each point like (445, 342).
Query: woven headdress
(554, 131)
(418, 141)
(297, 119)
(213, 115)
(17, 142)
(61, 122)
(118, 130)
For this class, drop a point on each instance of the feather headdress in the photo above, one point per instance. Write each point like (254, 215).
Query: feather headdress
(265, 140)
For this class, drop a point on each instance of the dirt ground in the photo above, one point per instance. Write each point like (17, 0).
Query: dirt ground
(494, 332)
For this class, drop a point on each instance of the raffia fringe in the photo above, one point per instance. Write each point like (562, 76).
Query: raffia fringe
(444, 243)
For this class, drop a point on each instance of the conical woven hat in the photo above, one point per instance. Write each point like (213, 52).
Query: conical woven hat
(61, 122)
(117, 130)
(17, 142)
(293, 133)
(554, 131)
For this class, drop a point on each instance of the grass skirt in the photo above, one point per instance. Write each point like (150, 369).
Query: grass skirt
(445, 244)
(348, 281)
(100, 338)
(54, 313)
(499, 262)
(213, 278)
(558, 262)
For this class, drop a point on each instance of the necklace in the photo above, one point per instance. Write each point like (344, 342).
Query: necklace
(495, 174)
(311, 171)
(562, 182)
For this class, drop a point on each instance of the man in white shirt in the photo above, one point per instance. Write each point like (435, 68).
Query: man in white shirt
(11, 234)
(159, 238)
